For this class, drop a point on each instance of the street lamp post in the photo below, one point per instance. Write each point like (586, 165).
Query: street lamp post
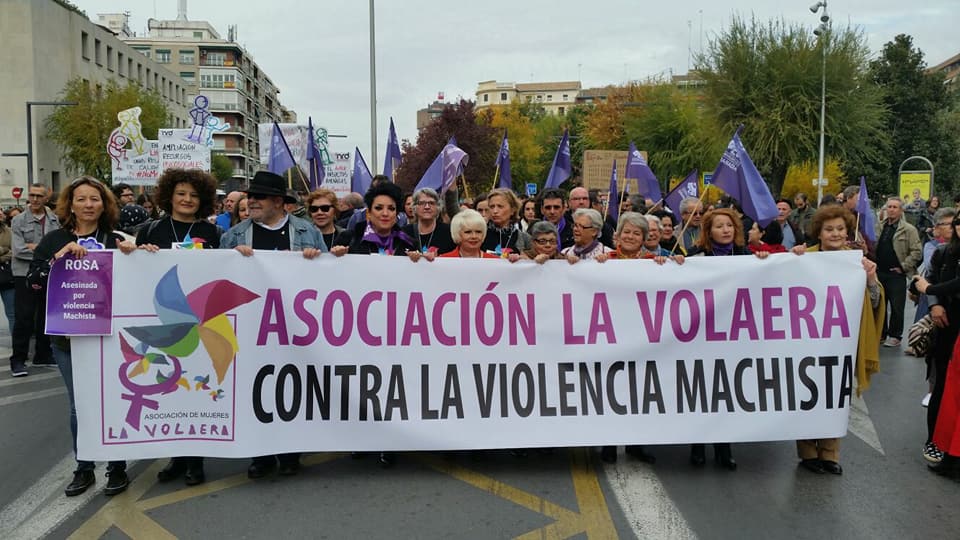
(821, 33)
(373, 90)
(29, 153)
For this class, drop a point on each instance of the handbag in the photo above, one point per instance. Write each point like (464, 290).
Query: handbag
(6, 275)
(921, 335)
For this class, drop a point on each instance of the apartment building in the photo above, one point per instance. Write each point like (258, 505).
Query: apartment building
(556, 97)
(238, 91)
(47, 43)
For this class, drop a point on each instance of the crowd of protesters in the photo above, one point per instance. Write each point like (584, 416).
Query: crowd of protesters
(185, 211)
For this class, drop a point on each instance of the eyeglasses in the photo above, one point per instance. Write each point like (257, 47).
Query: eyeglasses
(544, 241)
(321, 207)
(426, 203)
(694, 213)
(579, 226)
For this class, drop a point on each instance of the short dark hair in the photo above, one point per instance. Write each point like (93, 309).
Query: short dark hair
(201, 181)
(551, 193)
(118, 189)
(785, 200)
(389, 189)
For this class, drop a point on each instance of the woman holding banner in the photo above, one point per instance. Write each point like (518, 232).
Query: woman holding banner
(543, 247)
(428, 232)
(469, 230)
(587, 228)
(504, 234)
(830, 225)
(185, 197)
(322, 206)
(721, 235)
(88, 213)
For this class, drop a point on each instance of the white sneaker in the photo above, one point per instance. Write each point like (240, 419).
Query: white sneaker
(926, 400)
(891, 342)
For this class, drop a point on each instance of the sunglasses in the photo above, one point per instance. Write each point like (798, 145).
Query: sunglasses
(321, 208)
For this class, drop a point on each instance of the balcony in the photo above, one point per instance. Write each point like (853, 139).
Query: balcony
(223, 107)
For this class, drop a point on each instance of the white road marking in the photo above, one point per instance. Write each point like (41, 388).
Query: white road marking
(862, 426)
(29, 396)
(645, 502)
(40, 509)
(29, 379)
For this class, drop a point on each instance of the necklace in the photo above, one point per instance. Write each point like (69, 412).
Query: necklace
(177, 239)
(90, 241)
(425, 247)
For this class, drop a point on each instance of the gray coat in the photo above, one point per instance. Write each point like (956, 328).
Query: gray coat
(28, 230)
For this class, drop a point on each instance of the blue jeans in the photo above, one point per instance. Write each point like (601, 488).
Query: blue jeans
(65, 363)
(9, 306)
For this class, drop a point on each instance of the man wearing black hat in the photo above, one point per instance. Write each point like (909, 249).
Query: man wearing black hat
(270, 227)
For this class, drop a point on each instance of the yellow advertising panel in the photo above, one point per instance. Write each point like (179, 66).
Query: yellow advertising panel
(914, 184)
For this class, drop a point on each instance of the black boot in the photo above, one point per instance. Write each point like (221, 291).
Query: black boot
(698, 455)
(82, 480)
(174, 469)
(949, 466)
(117, 480)
(724, 456)
(194, 474)
(387, 459)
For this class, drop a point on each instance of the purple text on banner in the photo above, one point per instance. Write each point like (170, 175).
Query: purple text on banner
(80, 295)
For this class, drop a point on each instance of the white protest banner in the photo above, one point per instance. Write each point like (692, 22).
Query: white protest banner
(275, 353)
(294, 134)
(138, 169)
(177, 151)
(338, 174)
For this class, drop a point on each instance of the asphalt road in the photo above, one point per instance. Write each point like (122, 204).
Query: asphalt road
(885, 492)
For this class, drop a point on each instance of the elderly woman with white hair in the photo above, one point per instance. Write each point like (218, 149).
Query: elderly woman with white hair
(587, 228)
(468, 229)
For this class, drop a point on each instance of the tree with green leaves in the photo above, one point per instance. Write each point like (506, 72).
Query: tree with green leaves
(923, 115)
(767, 76)
(82, 131)
(221, 167)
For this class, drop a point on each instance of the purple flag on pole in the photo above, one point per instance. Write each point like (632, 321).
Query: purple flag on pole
(433, 176)
(739, 178)
(561, 169)
(281, 159)
(503, 163)
(391, 162)
(867, 220)
(361, 174)
(315, 158)
(637, 168)
(613, 199)
(688, 187)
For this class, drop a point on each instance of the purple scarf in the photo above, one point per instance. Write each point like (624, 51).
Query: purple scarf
(723, 249)
(586, 249)
(562, 224)
(384, 243)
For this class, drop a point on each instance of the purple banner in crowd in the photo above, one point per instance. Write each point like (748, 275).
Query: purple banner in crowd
(80, 295)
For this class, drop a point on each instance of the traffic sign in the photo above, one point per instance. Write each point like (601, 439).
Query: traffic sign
(17, 192)
(707, 179)
(823, 182)
(531, 190)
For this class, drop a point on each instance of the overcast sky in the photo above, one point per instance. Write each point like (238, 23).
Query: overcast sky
(317, 51)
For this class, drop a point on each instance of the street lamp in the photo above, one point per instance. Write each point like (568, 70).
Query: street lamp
(29, 153)
(373, 89)
(821, 33)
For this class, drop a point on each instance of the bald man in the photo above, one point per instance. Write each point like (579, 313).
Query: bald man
(231, 200)
(579, 198)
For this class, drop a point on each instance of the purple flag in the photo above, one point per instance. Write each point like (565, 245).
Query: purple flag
(613, 200)
(362, 178)
(503, 163)
(739, 178)
(433, 176)
(688, 187)
(867, 221)
(561, 169)
(391, 162)
(637, 168)
(281, 159)
(317, 167)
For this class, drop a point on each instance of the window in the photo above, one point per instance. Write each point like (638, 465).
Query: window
(566, 97)
(216, 59)
(162, 56)
(110, 58)
(84, 45)
(529, 99)
(186, 57)
(486, 98)
(198, 35)
(503, 96)
(143, 50)
(218, 80)
(189, 76)
(120, 64)
(139, 72)
(539, 97)
(96, 52)
(549, 97)
(560, 111)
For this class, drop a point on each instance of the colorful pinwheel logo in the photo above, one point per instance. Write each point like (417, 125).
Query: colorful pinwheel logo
(187, 322)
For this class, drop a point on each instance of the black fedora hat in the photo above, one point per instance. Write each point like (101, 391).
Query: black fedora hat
(268, 183)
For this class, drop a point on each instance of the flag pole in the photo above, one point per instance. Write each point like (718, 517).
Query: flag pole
(496, 176)
(606, 207)
(687, 224)
(466, 190)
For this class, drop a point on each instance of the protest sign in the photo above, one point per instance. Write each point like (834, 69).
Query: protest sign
(80, 295)
(178, 151)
